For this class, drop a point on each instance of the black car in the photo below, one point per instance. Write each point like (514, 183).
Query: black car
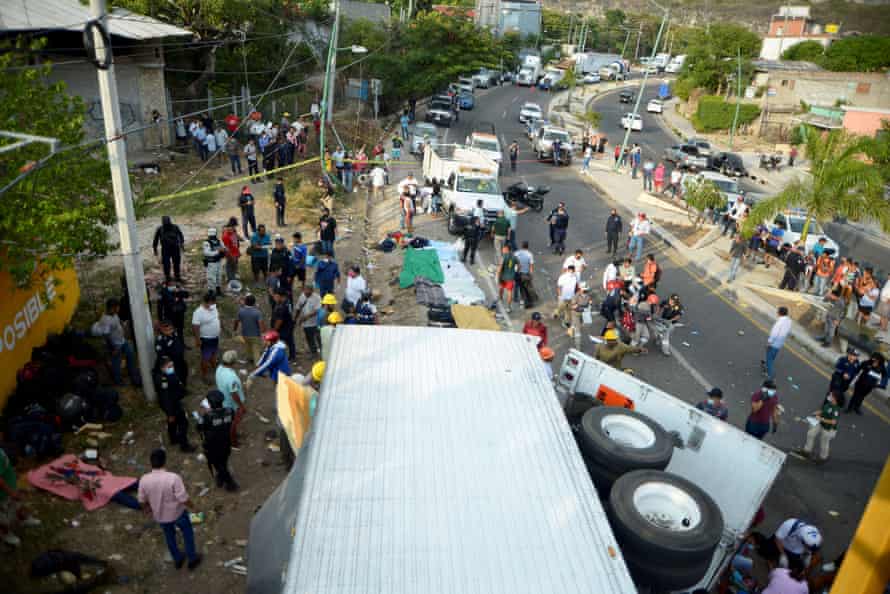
(626, 97)
(729, 164)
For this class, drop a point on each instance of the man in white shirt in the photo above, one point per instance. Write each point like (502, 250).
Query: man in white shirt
(610, 274)
(578, 262)
(780, 331)
(378, 180)
(356, 285)
(566, 287)
(408, 186)
(257, 128)
(676, 178)
(206, 327)
(738, 210)
(797, 538)
(639, 230)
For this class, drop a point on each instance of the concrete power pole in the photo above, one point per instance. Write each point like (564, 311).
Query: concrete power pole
(123, 202)
(332, 68)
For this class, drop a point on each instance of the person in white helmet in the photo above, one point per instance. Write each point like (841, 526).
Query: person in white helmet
(797, 538)
(213, 251)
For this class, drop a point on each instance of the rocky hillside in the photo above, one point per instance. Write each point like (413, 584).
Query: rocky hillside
(865, 16)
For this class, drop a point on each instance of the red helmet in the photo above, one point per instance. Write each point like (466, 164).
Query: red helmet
(271, 336)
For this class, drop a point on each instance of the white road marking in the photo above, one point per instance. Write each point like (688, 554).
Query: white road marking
(504, 115)
(515, 99)
(685, 364)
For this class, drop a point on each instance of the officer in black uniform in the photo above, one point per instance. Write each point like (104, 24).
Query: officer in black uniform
(169, 343)
(216, 426)
(171, 391)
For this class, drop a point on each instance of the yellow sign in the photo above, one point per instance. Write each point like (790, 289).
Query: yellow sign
(28, 316)
(832, 28)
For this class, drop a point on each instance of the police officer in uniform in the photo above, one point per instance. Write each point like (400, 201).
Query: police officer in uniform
(215, 426)
(214, 251)
(171, 391)
(169, 343)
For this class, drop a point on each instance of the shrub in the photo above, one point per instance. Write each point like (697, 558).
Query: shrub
(716, 114)
(683, 87)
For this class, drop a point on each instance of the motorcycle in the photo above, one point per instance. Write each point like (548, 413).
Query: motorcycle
(771, 162)
(528, 195)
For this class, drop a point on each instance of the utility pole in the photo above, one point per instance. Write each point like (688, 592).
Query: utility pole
(626, 39)
(123, 202)
(332, 63)
(738, 98)
(324, 98)
(639, 35)
(636, 110)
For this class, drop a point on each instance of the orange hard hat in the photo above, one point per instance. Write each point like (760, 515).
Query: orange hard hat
(546, 353)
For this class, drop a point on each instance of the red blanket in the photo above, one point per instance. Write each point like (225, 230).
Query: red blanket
(72, 479)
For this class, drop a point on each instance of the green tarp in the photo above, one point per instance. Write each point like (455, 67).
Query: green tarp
(420, 263)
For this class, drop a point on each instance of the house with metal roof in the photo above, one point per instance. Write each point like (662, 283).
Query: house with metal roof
(138, 43)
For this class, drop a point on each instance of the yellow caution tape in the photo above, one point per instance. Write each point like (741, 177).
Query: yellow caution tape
(231, 182)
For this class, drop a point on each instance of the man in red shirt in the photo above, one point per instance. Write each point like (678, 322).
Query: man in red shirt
(535, 327)
(764, 410)
(232, 242)
(232, 122)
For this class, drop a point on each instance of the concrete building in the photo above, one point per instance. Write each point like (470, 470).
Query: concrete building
(790, 26)
(368, 11)
(505, 16)
(138, 43)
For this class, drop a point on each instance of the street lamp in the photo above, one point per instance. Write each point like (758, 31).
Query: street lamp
(636, 109)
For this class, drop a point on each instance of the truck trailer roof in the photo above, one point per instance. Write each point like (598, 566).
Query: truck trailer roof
(439, 461)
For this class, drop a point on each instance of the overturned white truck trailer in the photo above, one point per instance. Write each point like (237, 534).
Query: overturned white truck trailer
(441, 461)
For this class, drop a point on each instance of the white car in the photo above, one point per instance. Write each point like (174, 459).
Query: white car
(655, 106)
(530, 111)
(466, 85)
(794, 221)
(592, 78)
(634, 122)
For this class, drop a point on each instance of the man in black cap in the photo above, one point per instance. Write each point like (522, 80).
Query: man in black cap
(713, 404)
(170, 344)
(215, 427)
(845, 371)
(171, 391)
(169, 236)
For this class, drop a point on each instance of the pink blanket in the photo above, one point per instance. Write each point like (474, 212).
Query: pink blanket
(94, 486)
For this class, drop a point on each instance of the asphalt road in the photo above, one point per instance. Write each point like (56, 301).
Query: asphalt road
(721, 344)
(655, 137)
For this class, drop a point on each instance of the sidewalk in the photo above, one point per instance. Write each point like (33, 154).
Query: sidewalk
(707, 258)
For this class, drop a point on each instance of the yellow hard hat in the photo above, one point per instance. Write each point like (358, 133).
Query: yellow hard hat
(611, 335)
(335, 317)
(329, 299)
(318, 371)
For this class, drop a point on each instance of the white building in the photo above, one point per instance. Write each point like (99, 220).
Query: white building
(790, 26)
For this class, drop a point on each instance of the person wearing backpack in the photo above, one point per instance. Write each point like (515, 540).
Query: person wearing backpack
(171, 240)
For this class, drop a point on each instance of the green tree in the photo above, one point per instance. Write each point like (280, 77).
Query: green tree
(808, 51)
(878, 151)
(711, 56)
(58, 210)
(701, 195)
(841, 184)
(865, 53)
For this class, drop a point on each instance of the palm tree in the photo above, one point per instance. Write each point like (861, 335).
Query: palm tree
(841, 184)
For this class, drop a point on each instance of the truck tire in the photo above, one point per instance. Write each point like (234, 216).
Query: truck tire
(577, 404)
(452, 224)
(665, 578)
(602, 478)
(664, 519)
(622, 440)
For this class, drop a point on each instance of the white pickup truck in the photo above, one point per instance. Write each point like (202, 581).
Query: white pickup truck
(469, 176)
(634, 432)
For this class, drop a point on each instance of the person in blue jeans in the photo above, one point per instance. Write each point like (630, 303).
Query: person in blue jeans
(109, 326)
(162, 494)
(777, 336)
(404, 121)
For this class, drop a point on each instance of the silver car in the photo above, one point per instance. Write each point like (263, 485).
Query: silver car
(423, 133)
(543, 144)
